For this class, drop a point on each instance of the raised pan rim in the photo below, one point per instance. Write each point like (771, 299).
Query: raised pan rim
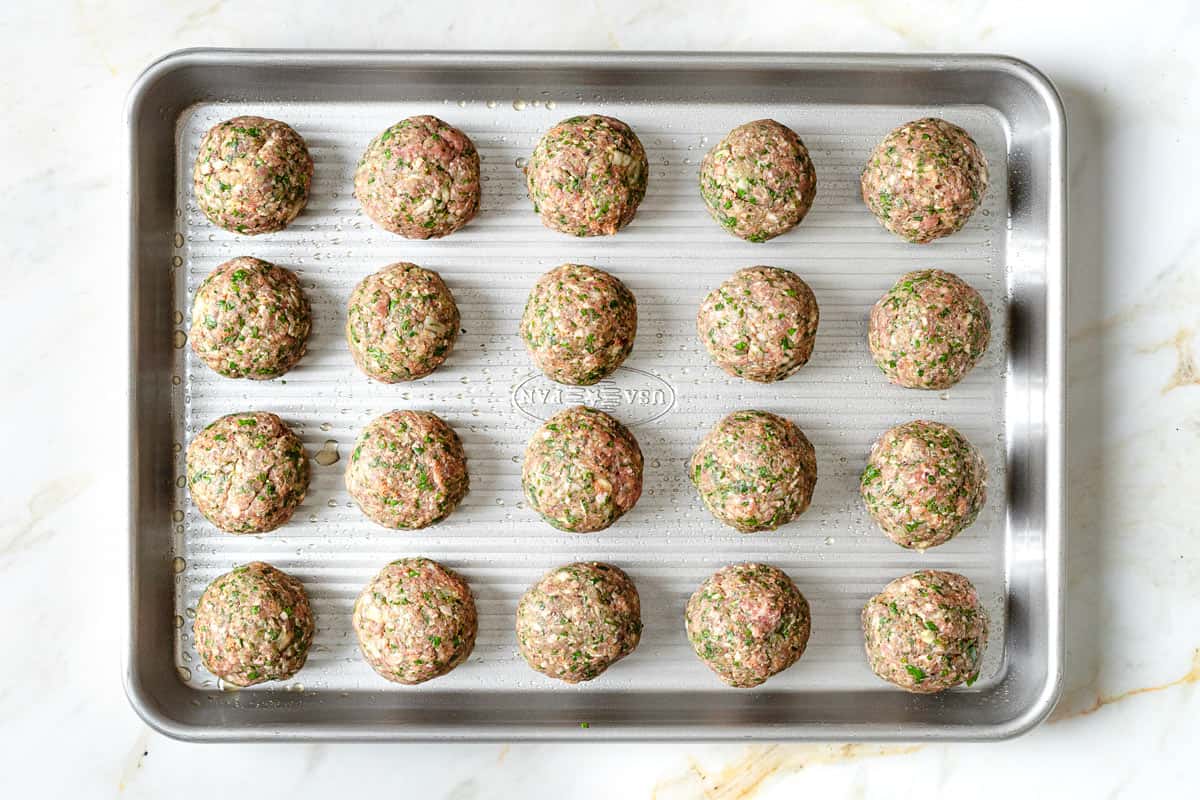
(1056, 506)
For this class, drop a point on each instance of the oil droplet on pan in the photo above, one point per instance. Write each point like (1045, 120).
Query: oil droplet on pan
(328, 454)
(177, 516)
(184, 673)
(518, 104)
(180, 339)
(178, 621)
(178, 565)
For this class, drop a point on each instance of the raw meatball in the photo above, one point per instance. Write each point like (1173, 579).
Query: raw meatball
(758, 181)
(250, 319)
(579, 620)
(748, 622)
(252, 175)
(415, 621)
(401, 323)
(408, 470)
(587, 176)
(924, 484)
(247, 472)
(755, 471)
(925, 632)
(925, 180)
(253, 625)
(419, 178)
(583, 470)
(579, 324)
(929, 330)
(760, 324)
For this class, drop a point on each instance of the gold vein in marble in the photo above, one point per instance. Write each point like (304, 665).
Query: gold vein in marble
(1186, 373)
(742, 778)
(1190, 677)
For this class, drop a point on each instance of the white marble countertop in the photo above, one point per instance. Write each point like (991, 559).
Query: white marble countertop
(1129, 720)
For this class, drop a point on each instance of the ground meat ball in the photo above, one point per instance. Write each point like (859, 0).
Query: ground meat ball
(415, 621)
(924, 484)
(247, 472)
(253, 625)
(758, 181)
(419, 178)
(250, 319)
(252, 175)
(925, 632)
(583, 470)
(755, 471)
(925, 180)
(760, 324)
(579, 324)
(408, 470)
(748, 622)
(579, 620)
(929, 330)
(401, 323)
(587, 176)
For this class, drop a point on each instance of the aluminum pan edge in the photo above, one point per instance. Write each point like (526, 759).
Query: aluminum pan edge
(1054, 402)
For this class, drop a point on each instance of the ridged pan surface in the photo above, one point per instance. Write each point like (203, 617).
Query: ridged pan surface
(668, 392)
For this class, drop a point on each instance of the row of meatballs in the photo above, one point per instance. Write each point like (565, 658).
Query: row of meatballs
(416, 620)
(587, 175)
(251, 319)
(924, 481)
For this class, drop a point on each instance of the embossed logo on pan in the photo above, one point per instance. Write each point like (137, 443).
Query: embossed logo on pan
(633, 396)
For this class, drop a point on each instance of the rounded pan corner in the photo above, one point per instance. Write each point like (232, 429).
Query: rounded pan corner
(1032, 715)
(152, 713)
(1033, 77)
(157, 70)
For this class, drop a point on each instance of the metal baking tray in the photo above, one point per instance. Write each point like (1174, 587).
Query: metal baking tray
(1011, 406)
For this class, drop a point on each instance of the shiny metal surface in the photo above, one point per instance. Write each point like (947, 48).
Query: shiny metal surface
(1010, 406)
